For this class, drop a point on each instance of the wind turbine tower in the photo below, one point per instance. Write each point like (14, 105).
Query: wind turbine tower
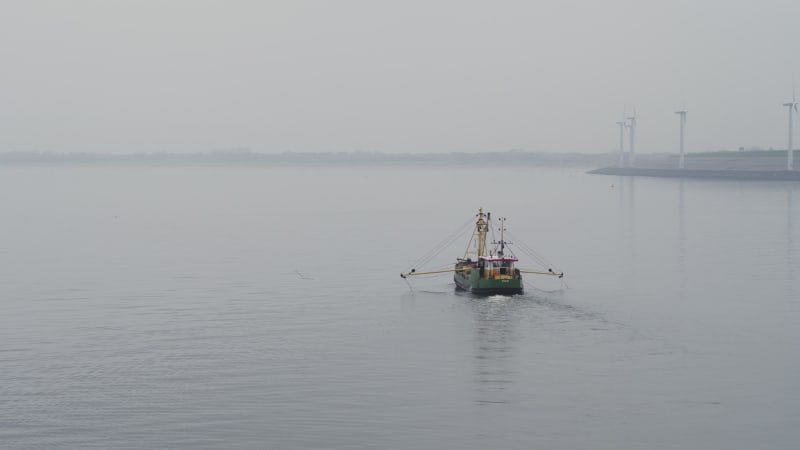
(792, 105)
(632, 126)
(621, 149)
(683, 124)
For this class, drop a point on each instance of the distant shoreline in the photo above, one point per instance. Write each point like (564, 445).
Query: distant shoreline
(249, 158)
(742, 165)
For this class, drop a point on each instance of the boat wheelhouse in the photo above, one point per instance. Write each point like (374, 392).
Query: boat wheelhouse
(489, 275)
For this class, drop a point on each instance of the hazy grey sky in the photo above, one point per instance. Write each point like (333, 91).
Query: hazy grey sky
(400, 76)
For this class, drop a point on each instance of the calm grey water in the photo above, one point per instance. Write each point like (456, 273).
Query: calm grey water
(161, 307)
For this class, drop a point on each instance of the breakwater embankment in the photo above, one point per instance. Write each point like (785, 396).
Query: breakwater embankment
(722, 165)
(701, 173)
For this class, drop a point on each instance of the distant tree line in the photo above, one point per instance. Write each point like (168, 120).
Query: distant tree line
(245, 156)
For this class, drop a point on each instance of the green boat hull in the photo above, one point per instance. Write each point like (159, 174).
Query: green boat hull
(472, 282)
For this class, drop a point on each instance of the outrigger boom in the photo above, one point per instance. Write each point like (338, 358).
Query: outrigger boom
(549, 272)
(430, 272)
(467, 269)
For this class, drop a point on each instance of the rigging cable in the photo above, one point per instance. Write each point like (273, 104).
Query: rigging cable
(410, 288)
(441, 246)
(490, 224)
(525, 248)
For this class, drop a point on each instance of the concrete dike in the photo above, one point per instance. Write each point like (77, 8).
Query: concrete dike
(753, 165)
(782, 175)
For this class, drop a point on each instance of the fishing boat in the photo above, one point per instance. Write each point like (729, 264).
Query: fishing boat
(493, 271)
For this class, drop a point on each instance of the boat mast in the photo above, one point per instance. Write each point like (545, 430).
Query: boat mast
(481, 227)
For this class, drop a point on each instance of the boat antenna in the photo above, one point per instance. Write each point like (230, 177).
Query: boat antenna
(502, 229)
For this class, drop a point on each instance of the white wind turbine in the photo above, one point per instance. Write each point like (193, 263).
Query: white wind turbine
(632, 126)
(621, 148)
(683, 124)
(792, 105)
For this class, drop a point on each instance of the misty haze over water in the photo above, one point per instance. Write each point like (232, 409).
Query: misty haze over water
(441, 75)
(158, 294)
(260, 307)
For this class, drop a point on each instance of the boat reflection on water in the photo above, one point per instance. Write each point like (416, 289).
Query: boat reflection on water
(496, 347)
